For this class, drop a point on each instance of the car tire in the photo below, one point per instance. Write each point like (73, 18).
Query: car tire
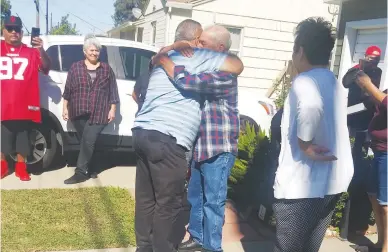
(45, 148)
(243, 122)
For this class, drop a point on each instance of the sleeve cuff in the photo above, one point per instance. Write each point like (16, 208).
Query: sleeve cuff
(114, 102)
(305, 135)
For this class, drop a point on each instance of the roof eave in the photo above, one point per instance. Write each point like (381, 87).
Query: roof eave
(338, 2)
(179, 5)
(118, 28)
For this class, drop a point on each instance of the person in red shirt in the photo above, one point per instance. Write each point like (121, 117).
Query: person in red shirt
(20, 101)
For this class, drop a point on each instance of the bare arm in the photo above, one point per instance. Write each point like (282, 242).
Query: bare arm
(134, 96)
(65, 104)
(45, 59)
(67, 94)
(366, 84)
(232, 64)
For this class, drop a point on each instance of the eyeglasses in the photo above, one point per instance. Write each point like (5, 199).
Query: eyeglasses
(17, 29)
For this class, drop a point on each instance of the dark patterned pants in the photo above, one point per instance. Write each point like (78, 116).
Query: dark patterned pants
(302, 223)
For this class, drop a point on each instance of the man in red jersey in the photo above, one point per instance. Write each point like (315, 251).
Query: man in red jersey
(20, 101)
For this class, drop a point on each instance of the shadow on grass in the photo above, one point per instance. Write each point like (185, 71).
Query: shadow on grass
(114, 218)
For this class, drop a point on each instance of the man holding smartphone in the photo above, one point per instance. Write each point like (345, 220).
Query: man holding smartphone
(20, 100)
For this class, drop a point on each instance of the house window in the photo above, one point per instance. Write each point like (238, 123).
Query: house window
(153, 24)
(235, 35)
(140, 34)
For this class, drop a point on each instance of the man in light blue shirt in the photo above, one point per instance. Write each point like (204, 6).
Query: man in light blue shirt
(164, 130)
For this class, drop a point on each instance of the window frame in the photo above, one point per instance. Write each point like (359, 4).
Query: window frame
(153, 33)
(58, 57)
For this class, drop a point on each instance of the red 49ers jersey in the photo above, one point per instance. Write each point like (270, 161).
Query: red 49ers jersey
(19, 67)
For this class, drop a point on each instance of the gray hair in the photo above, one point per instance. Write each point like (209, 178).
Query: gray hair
(220, 35)
(91, 40)
(186, 30)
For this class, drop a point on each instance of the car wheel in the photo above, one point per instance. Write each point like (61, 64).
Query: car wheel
(246, 120)
(44, 148)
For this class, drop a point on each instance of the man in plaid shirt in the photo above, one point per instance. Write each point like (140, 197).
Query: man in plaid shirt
(216, 147)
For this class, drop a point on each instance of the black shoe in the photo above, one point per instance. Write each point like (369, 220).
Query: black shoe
(367, 249)
(93, 175)
(76, 178)
(190, 245)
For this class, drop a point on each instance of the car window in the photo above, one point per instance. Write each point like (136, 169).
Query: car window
(74, 53)
(128, 62)
(52, 52)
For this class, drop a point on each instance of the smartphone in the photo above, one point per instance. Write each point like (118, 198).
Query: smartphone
(35, 32)
(365, 65)
(362, 64)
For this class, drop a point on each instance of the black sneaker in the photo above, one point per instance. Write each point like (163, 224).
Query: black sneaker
(190, 245)
(93, 175)
(76, 178)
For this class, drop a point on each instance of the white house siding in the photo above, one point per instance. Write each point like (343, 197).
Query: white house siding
(337, 57)
(266, 37)
(177, 16)
(160, 18)
(267, 33)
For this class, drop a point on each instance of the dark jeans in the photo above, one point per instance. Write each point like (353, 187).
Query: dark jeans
(88, 134)
(15, 137)
(160, 188)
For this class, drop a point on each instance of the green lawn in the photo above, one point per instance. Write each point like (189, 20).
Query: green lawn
(66, 219)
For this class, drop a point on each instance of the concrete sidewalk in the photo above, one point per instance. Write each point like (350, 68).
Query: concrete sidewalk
(121, 176)
(329, 245)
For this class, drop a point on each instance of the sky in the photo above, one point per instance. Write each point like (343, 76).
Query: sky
(90, 16)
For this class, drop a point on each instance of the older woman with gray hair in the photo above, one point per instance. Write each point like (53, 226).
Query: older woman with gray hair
(89, 101)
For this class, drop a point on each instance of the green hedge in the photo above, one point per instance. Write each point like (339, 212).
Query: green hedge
(248, 145)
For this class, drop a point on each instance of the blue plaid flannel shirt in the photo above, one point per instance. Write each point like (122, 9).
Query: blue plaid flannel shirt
(220, 120)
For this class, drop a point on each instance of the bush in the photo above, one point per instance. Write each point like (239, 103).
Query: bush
(339, 210)
(248, 144)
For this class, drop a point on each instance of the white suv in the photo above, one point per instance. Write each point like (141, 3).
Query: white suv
(127, 59)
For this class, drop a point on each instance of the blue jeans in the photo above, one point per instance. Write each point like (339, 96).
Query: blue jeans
(377, 179)
(207, 195)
